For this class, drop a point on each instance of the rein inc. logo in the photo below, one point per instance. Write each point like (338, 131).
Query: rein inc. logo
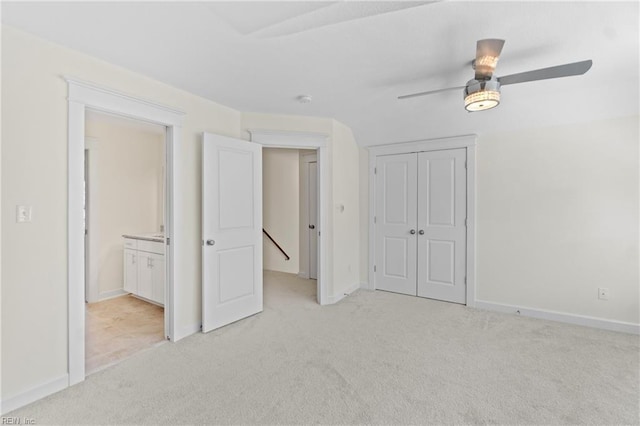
(17, 421)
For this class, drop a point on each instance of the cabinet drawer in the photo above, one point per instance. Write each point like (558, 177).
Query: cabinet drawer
(130, 243)
(151, 246)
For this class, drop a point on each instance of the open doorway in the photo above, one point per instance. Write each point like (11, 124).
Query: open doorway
(125, 270)
(82, 97)
(290, 213)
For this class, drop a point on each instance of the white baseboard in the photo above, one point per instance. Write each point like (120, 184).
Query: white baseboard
(347, 291)
(34, 394)
(186, 331)
(303, 275)
(604, 324)
(105, 295)
(365, 286)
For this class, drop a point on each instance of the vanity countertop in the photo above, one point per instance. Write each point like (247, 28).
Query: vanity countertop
(158, 237)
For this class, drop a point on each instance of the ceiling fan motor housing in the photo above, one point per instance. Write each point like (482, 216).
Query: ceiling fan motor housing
(480, 95)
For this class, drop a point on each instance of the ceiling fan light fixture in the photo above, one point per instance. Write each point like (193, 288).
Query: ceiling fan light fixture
(481, 95)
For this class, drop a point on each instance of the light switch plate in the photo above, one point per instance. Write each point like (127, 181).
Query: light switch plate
(23, 214)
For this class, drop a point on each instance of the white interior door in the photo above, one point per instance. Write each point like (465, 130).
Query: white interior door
(232, 230)
(442, 210)
(313, 220)
(396, 220)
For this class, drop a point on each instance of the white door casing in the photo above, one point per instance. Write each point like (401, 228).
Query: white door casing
(92, 211)
(83, 95)
(88, 293)
(317, 141)
(313, 227)
(396, 222)
(441, 224)
(232, 230)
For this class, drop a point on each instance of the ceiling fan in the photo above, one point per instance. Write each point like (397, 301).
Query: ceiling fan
(483, 91)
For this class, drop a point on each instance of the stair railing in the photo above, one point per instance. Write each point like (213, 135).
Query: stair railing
(286, 256)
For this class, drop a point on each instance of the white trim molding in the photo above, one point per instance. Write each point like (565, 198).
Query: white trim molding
(582, 320)
(109, 100)
(452, 142)
(34, 394)
(288, 139)
(186, 331)
(308, 140)
(112, 294)
(465, 141)
(92, 215)
(338, 297)
(365, 285)
(83, 95)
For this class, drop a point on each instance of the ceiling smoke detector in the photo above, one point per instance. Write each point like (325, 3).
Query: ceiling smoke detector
(304, 99)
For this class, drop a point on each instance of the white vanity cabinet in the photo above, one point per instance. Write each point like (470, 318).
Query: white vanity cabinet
(144, 269)
(130, 270)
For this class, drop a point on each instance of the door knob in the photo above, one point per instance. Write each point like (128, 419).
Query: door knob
(421, 232)
(312, 227)
(211, 242)
(412, 232)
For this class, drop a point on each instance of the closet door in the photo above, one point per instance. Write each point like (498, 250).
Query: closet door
(442, 210)
(396, 220)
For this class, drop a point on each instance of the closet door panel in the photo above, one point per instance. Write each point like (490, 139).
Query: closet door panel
(396, 216)
(442, 210)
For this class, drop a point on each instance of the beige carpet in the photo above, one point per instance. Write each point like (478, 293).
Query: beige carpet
(374, 357)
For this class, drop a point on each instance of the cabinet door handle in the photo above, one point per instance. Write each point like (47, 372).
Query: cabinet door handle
(421, 232)
(150, 263)
(412, 232)
(133, 259)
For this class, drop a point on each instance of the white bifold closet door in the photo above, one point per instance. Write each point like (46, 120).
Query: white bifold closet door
(396, 217)
(420, 224)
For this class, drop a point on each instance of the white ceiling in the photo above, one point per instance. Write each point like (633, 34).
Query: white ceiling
(355, 58)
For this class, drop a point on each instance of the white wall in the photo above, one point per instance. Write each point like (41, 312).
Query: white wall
(343, 235)
(280, 207)
(129, 158)
(346, 210)
(558, 218)
(34, 172)
(363, 154)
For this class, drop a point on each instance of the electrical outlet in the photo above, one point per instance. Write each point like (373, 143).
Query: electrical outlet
(603, 293)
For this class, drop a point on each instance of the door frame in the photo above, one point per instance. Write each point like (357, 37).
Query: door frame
(317, 141)
(465, 141)
(92, 238)
(83, 95)
(305, 264)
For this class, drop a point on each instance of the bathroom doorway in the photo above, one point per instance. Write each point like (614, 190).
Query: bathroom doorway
(124, 187)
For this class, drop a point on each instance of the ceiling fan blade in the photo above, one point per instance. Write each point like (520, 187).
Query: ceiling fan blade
(566, 70)
(487, 55)
(431, 92)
